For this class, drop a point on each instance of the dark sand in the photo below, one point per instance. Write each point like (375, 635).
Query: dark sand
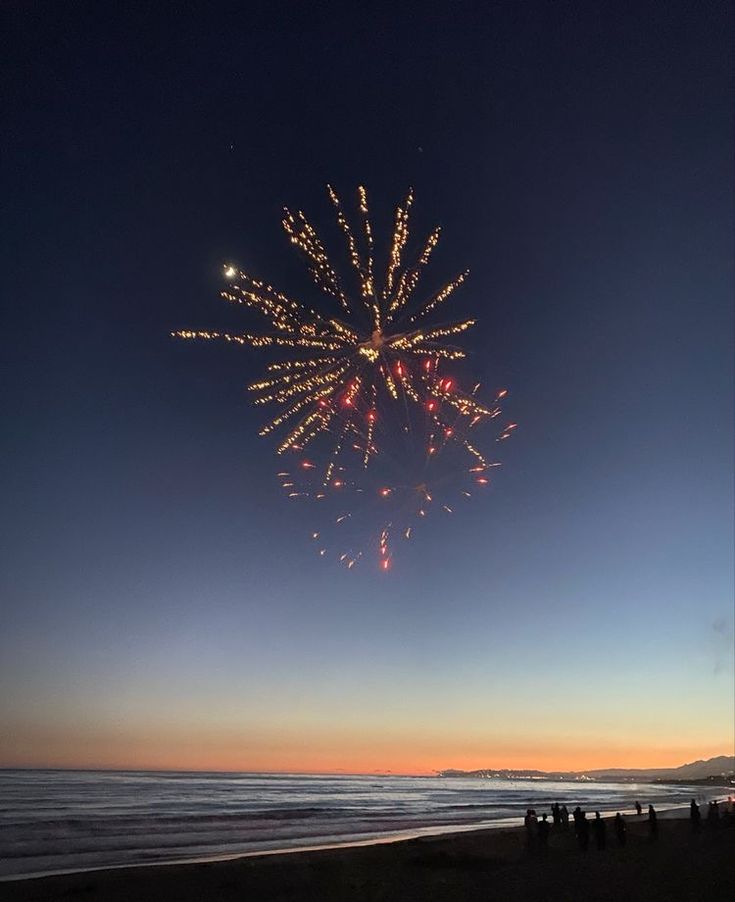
(482, 865)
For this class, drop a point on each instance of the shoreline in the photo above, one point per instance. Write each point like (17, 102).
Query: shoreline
(430, 831)
(492, 865)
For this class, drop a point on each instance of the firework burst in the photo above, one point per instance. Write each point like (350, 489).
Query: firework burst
(373, 347)
(376, 433)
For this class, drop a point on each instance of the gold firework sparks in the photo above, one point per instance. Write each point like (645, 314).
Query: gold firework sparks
(375, 344)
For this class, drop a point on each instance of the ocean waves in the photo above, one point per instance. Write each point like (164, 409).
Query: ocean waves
(62, 820)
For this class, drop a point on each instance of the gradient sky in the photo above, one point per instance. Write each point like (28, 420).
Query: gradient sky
(161, 604)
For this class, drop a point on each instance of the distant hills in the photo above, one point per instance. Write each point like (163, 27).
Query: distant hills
(712, 770)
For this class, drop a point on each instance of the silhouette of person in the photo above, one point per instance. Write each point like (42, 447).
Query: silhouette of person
(695, 818)
(564, 815)
(638, 809)
(556, 814)
(530, 822)
(583, 831)
(598, 825)
(543, 833)
(577, 814)
(620, 829)
(713, 814)
(652, 822)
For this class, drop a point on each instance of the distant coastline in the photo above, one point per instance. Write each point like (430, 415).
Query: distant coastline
(719, 771)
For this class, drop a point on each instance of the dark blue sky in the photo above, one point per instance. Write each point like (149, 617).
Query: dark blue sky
(579, 159)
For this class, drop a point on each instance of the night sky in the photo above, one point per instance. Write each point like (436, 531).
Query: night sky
(162, 605)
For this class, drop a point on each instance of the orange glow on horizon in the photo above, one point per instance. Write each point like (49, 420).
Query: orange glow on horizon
(310, 753)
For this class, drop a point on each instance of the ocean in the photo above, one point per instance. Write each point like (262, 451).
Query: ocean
(52, 821)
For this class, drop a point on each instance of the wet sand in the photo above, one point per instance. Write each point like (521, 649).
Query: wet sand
(488, 865)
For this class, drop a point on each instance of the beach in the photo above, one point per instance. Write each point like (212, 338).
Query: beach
(64, 821)
(479, 865)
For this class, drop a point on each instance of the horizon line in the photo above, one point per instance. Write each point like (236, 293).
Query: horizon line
(333, 772)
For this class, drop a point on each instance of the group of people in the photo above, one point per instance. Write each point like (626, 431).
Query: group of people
(537, 830)
(713, 813)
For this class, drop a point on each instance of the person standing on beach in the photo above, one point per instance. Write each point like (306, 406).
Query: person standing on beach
(600, 829)
(564, 816)
(695, 817)
(620, 828)
(577, 814)
(713, 814)
(583, 831)
(638, 809)
(652, 823)
(543, 833)
(556, 814)
(530, 822)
